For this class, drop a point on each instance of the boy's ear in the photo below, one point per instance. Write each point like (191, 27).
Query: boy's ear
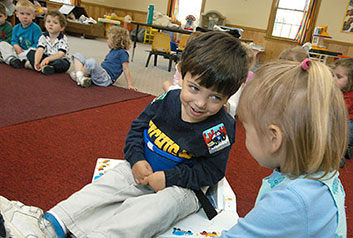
(275, 137)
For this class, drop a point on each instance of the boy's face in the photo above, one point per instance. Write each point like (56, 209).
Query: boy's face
(341, 76)
(25, 16)
(198, 102)
(52, 24)
(2, 19)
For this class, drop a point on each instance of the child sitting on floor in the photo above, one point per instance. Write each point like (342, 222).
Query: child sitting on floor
(5, 26)
(343, 69)
(297, 126)
(141, 197)
(25, 35)
(51, 54)
(88, 71)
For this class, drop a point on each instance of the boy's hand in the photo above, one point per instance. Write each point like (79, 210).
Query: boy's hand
(44, 62)
(157, 181)
(132, 87)
(37, 66)
(141, 170)
(18, 49)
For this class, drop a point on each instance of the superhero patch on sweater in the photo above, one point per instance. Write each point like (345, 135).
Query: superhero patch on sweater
(216, 138)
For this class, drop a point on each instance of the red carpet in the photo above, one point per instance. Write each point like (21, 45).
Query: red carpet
(26, 95)
(44, 161)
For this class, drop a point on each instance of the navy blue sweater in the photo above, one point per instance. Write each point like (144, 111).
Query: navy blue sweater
(208, 142)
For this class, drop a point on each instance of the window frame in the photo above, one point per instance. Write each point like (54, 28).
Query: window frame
(272, 18)
(170, 2)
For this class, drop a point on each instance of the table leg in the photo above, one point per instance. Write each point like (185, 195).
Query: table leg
(135, 40)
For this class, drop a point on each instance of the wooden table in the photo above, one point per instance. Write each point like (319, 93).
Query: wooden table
(159, 27)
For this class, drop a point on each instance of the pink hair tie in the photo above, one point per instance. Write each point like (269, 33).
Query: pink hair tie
(305, 65)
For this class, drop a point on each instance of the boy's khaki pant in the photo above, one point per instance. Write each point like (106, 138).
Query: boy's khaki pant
(115, 206)
(8, 52)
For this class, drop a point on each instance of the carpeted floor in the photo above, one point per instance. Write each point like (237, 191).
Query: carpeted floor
(26, 95)
(44, 161)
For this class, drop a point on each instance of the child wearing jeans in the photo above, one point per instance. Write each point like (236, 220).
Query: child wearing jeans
(343, 69)
(88, 71)
(25, 36)
(297, 126)
(141, 198)
(51, 54)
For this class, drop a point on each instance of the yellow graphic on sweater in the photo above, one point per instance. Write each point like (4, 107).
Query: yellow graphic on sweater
(163, 142)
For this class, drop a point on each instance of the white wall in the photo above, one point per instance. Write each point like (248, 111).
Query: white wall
(249, 13)
(137, 5)
(331, 14)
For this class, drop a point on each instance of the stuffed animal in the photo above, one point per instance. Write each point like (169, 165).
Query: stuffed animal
(162, 20)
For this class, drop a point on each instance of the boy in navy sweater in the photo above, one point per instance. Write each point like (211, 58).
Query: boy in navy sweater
(148, 193)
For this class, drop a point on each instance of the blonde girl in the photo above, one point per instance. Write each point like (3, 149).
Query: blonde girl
(88, 71)
(298, 126)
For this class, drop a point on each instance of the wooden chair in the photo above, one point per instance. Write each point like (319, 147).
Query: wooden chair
(161, 46)
(182, 43)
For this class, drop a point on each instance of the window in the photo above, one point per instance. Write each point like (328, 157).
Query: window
(179, 9)
(289, 18)
(62, 1)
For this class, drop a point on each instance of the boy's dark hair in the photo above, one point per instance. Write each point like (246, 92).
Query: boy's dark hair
(218, 59)
(56, 13)
(2, 9)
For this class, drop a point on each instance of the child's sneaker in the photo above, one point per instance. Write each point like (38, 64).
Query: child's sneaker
(16, 63)
(48, 69)
(84, 81)
(28, 65)
(24, 221)
(2, 227)
(74, 77)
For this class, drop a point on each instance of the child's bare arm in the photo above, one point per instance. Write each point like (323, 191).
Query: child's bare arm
(18, 49)
(127, 74)
(37, 57)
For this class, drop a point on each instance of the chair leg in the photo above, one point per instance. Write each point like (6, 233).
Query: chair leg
(148, 59)
(170, 63)
(155, 59)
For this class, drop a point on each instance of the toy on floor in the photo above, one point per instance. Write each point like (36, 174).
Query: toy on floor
(180, 232)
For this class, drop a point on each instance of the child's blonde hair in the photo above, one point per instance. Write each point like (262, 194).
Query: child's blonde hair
(120, 38)
(250, 55)
(25, 4)
(296, 53)
(307, 107)
(2, 9)
(346, 63)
